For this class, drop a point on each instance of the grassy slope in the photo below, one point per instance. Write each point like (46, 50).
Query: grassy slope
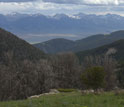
(70, 100)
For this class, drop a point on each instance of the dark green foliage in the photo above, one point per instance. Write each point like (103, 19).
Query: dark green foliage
(108, 63)
(21, 50)
(120, 74)
(94, 77)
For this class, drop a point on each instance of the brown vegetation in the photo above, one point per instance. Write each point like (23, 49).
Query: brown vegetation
(22, 79)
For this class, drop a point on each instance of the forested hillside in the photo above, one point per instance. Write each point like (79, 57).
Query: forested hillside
(55, 45)
(18, 65)
(20, 49)
(115, 49)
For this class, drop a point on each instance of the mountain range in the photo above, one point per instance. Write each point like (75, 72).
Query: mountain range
(38, 27)
(94, 41)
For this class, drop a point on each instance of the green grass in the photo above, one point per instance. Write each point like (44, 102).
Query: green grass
(74, 99)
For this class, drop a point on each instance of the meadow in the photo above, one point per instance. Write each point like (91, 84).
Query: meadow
(74, 99)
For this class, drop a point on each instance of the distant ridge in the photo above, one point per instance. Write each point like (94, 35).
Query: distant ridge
(63, 45)
(55, 45)
(115, 49)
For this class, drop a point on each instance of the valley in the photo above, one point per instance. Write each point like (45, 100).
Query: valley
(61, 53)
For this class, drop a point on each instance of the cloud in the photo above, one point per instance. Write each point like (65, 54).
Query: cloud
(87, 2)
(48, 7)
(64, 1)
(102, 2)
(16, 0)
(81, 2)
(34, 7)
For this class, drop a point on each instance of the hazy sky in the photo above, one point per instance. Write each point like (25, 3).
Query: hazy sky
(50, 7)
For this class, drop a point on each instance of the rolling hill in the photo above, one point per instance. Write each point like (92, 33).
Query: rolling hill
(21, 49)
(63, 45)
(55, 45)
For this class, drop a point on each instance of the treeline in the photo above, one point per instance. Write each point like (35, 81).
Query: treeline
(19, 80)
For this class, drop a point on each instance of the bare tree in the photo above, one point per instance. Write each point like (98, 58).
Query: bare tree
(67, 70)
(21, 79)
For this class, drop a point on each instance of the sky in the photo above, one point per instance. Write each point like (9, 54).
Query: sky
(51, 7)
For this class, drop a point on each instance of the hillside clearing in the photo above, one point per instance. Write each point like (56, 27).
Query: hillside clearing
(74, 99)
